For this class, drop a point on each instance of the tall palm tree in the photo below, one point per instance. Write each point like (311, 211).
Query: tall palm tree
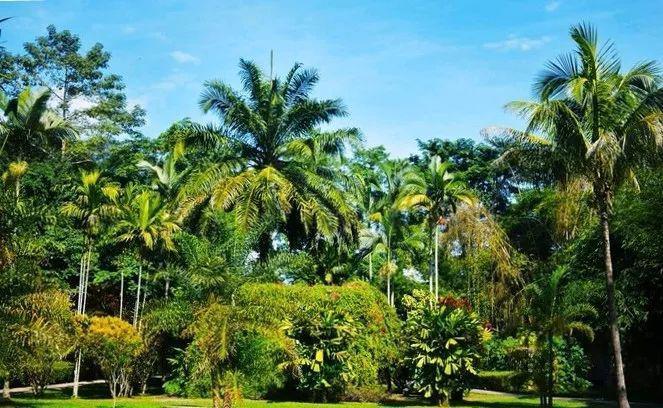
(385, 223)
(272, 125)
(598, 124)
(436, 192)
(556, 314)
(146, 224)
(94, 204)
(30, 128)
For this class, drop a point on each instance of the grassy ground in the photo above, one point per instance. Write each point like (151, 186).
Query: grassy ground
(95, 396)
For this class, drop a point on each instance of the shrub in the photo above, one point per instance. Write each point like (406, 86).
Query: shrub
(322, 341)
(365, 393)
(372, 351)
(43, 336)
(444, 345)
(507, 381)
(115, 345)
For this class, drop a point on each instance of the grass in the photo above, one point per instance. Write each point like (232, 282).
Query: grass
(94, 396)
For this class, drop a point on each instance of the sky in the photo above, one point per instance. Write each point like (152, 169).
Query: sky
(406, 70)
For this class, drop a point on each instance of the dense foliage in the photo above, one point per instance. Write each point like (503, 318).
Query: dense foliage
(272, 254)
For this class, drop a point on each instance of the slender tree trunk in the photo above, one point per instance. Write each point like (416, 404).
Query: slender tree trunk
(87, 276)
(121, 292)
(77, 374)
(217, 397)
(140, 277)
(167, 288)
(389, 288)
(437, 286)
(82, 298)
(370, 267)
(6, 394)
(622, 398)
(551, 368)
(142, 308)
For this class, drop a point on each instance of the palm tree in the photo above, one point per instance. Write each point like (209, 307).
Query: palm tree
(167, 179)
(273, 127)
(94, 204)
(436, 192)
(385, 224)
(599, 124)
(147, 224)
(30, 128)
(555, 314)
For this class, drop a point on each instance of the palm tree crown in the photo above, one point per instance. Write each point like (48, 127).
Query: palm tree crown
(29, 127)
(284, 174)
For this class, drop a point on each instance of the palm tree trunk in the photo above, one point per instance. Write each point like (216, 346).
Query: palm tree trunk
(82, 294)
(140, 277)
(142, 308)
(87, 276)
(551, 369)
(622, 398)
(6, 394)
(370, 267)
(121, 292)
(217, 397)
(437, 286)
(389, 288)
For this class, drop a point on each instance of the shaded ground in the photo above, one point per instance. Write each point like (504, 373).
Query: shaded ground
(96, 395)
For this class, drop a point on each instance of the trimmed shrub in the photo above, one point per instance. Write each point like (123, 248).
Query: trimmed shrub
(507, 381)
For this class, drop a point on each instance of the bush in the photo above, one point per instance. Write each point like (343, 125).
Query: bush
(373, 350)
(322, 341)
(444, 344)
(507, 381)
(115, 345)
(365, 393)
(43, 336)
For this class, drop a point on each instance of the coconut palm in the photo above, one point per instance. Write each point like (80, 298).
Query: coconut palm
(554, 313)
(30, 128)
(147, 225)
(598, 124)
(272, 125)
(436, 192)
(94, 203)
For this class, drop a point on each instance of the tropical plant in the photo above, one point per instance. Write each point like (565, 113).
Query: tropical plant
(167, 178)
(145, 223)
(436, 192)
(115, 345)
(94, 204)
(599, 124)
(30, 129)
(321, 343)
(445, 340)
(272, 129)
(554, 314)
(42, 335)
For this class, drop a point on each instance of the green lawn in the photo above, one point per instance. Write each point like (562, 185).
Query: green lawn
(93, 397)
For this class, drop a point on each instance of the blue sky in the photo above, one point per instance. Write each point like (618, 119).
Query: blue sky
(406, 70)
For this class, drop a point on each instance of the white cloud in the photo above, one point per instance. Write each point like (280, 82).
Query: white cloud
(128, 29)
(514, 42)
(552, 5)
(184, 57)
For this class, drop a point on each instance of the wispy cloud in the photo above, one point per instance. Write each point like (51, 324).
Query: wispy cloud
(552, 5)
(184, 57)
(128, 29)
(514, 42)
